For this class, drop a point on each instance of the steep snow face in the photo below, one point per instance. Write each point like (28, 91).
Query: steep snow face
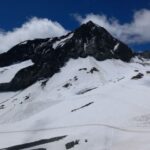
(96, 104)
(116, 46)
(7, 73)
(62, 41)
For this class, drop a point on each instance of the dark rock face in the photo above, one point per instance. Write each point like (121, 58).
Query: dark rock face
(35, 143)
(50, 54)
(72, 144)
(138, 76)
(148, 72)
(82, 107)
(20, 52)
(145, 54)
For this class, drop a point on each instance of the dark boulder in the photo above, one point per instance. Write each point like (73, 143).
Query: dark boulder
(138, 76)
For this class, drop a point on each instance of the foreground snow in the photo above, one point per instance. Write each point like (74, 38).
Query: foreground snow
(94, 102)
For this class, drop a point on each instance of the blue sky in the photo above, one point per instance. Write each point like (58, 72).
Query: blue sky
(14, 13)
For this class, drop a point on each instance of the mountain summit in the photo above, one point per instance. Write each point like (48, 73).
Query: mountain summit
(49, 55)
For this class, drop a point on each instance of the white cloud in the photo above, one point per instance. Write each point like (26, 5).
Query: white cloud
(136, 32)
(34, 28)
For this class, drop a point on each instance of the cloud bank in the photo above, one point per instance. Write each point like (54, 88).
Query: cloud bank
(34, 28)
(135, 32)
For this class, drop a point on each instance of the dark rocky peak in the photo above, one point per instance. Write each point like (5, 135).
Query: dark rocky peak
(50, 54)
(90, 28)
(92, 40)
(21, 52)
(90, 24)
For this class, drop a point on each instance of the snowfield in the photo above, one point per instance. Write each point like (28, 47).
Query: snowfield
(7, 73)
(95, 105)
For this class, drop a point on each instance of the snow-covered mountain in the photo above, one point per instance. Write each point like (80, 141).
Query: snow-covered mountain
(84, 90)
(49, 55)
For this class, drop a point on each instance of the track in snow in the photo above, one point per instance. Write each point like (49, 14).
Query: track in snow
(77, 126)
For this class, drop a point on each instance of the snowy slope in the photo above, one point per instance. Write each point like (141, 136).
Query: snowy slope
(7, 73)
(95, 102)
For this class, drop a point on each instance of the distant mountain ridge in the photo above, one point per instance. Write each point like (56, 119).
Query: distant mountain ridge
(144, 54)
(49, 55)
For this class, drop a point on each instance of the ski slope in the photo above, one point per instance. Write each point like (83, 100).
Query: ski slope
(94, 103)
